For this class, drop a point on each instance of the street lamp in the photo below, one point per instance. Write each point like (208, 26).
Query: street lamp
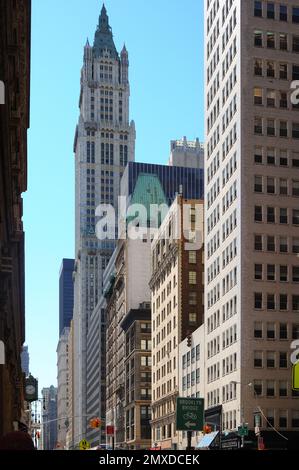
(250, 384)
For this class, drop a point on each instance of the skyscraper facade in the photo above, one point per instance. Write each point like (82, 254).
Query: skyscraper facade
(104, 144)
(252, 189)
(66, 294)
(25, 360)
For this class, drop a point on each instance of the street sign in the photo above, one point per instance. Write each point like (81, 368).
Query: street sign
(296, 376)
(110, 430)
(243, 431)
(189, 414)
(84, 445)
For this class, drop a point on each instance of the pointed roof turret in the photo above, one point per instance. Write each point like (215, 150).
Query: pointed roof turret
(103, 40)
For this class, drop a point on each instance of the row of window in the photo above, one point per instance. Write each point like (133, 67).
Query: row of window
(272, 98)
(270, 359)
(274, 215)
(271, 69)
(273, 331)
(275, 128)
(191, 357)
(279, 41)
(273, 244)
(190, 380)
(273, 11)
(271, 388)
(274, 156)
(272, 272)
(276, 302)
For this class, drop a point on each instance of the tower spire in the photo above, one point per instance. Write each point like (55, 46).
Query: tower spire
(103, 41)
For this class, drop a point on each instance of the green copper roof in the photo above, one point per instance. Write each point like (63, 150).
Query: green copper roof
(148, 190)
(103, 39)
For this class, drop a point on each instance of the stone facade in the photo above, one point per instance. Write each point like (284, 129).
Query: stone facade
(15, 24)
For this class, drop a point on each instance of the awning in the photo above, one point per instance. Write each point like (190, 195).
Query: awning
(207, 440)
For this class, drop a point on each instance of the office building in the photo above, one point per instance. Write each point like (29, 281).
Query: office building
(188, 154)
(177, 308)
(104, 144)
(66, 294)
(49, 418)
(63, 387)
(252, 216)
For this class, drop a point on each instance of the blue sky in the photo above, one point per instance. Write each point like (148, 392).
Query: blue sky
(165, 43)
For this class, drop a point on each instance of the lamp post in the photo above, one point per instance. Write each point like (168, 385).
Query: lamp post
(250, 384)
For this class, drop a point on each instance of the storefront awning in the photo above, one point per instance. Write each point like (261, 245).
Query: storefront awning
(207, 440)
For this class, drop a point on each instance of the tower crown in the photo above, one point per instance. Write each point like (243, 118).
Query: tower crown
(103, 41)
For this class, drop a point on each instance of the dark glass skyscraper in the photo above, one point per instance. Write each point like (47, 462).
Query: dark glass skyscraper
(174, 180)
(66, 294)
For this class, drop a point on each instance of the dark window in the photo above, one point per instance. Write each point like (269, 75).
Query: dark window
(270, 243)
(258, 214)
(283, 71)
(295, 130)
(283, 13)
(258, 272)
(270, 272)
(258, 39)
(295, 273)
(258, 12)
(258, 332)
(270, 393)
(283, 42)
(258, 242)
(283, 331)
(270, 332)
(258, 300)
(270, 302)
(283, 360)
(295, 332)
(270, 69)
(282, 421)
(295, 73)
(258, 389)
(283, 302)
(283, 216)
(295, 43)
(271, 11)
(270, 214)
(295, 15)
(295, 303)
(270, 40)
(258, 157)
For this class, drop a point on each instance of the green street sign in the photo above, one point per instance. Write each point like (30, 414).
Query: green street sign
(243, 431)
(189, 414)
(295, 381)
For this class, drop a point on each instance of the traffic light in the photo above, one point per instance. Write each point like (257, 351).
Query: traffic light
(207, 429)
(95, 423)
(189, 341)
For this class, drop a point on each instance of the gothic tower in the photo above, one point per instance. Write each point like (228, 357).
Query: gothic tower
(104, 143)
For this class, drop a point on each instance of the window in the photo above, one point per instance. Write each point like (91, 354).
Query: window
(283, 244)
(283, 273)
(270, 69)
(258, 155)
(295, 73)
(192, 298)
(283, 187)
(295, 160)
(258, 300)
(283, 129)
(283, 302)
(270, 331)
(283, 101)
(258, 12)
(283, 388)
(270, 272)
(192, 277)
(295, 303)
(295, 273)
(258, 126)
(271, 156)
(258, 68)
(295, 43)
(295, 245)
(295, 419)
(283, 160)
(258, 242)
(258, 39)
(258, 272)
(295, 14)
(258, 387)
(270, 302)
(283, 216)
(270, 127)
(270, 215)
(258, 213)
(192, 318)
(283, 41)
(258, 359)
(270, 40)
(270, 243)
(270, 413)
(283, 71)
(258, 184)
(295, 332)
(258, 96)
(295, 130)
(283, 360)
(270, 359)
(295, 216)
(283, 331)
(270, 11)
(270, 390)
(192, 257)
(283, 422)
(258, 329)
(283, 13)
(295, 191)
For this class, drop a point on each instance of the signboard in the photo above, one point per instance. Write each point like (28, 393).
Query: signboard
(189, 414)
(84, 445)
(296, 376)
(243, 431)
(110, 430)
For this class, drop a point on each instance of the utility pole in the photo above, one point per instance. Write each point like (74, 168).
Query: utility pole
(189, 440)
